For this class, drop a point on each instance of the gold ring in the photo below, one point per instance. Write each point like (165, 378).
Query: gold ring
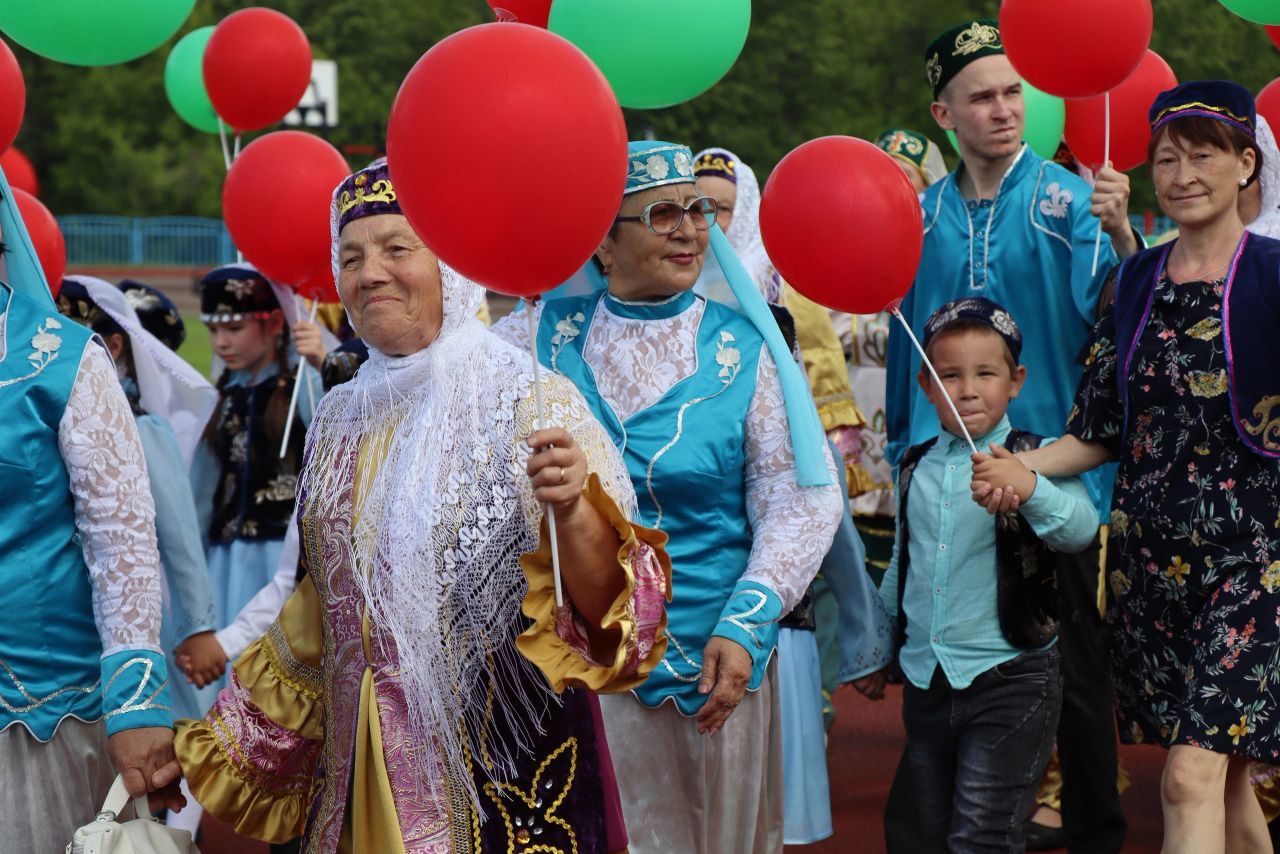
(561, 480)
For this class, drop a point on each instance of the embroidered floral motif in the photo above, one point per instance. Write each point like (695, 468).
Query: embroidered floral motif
(1271, 577)
(728, 358)
(282, 487)
(140, 299)
(567, 329)
(684, 164)
(1004, 323)
(657, 167)
(1056, 203)
(1267, 426)
(530, 816)
(1206, 330)
(45, 346)
(241, 287)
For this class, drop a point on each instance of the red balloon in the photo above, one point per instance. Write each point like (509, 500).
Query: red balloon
(46, 237)
(1075, 48)
(1268, 103)
(276, 203)
(18, 169)
(319, 287)
(13, 96)
(1274, 34)
(842, 224)
(514, 178)
(257, 67)
(1130, 129)
(534, 12)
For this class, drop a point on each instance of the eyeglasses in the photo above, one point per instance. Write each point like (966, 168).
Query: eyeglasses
(665, 217)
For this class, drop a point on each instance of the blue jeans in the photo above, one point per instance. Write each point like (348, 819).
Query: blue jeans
(977, 754)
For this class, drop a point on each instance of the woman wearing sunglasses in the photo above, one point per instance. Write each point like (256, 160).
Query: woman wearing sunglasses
(719, 433)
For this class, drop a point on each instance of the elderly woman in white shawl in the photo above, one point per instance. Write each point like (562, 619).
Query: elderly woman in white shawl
(422, 669)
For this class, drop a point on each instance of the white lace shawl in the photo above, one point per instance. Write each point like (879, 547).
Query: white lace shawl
(447, 509)
(1267, 223)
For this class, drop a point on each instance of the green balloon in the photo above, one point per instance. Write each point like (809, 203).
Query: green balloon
(184, 81)
(92, 32)
(639, 47)
(1258, 11)
(1044, 120)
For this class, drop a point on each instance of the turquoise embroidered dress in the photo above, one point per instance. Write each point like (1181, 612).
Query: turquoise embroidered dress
(690, 396)
(79, 571)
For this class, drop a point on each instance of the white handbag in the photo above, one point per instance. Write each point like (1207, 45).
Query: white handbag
(143, 835)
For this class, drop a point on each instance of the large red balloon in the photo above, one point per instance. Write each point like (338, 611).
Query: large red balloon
(276, 203)
(46, 237)
(257, 66)
(842, 224)
(1273, 33)
(319, 286)
(13, 96)
(1130, 129)
(1268, 103)
(1075, 48)
(18, 169)
(514, 177)
(534, 12)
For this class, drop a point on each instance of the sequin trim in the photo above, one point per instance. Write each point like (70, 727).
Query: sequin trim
(133, 704)
(34, 702)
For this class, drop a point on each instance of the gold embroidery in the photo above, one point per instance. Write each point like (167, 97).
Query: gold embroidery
(715, 162)
(1271, 577)
(934, 69)
(1206, 330)
(380, 191)
(304, 678)
(1267, 427)
(1200, 105)
(533, 800)
(976, 38)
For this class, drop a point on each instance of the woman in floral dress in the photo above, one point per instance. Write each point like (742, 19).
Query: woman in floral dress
(1181, 386)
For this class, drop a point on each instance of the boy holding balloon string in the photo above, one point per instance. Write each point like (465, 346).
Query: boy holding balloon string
(975, 599)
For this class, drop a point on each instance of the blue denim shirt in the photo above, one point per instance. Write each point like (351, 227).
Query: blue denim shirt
(950, 599)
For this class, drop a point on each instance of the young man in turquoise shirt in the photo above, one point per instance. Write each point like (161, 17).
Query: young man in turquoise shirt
(973, 595)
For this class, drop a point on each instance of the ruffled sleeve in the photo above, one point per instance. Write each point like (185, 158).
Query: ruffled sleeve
(557, 641)
(252, 761)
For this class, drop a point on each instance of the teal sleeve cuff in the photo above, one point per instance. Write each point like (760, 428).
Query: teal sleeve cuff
(135, 691)
(750, 619)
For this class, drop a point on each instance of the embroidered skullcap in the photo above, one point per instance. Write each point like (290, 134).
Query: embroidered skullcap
(368, 192)
(950, 52)
(979, 310)
(75, 303)
(915, 150)
(234, 293)
(156, 312)
(1219, 100)
(716, 163)
(656, 164)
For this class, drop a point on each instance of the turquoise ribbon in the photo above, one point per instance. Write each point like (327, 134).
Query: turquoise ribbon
(23, 270)
(807, 436)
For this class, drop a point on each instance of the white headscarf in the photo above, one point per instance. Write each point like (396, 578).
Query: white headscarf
(169, 387)
(1267, 223)
(744, 232)
(436, 542)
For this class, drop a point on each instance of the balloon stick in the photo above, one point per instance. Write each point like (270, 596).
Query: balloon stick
(537, 398)
(311, 391)
(1106, 160)
(226, 151)
(897, 312)
(235, 152)
(297, 384)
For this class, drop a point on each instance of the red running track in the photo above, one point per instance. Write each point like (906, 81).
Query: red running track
(864, 748)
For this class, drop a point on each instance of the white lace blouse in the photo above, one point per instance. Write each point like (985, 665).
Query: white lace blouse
(114, 511)
(636, 362)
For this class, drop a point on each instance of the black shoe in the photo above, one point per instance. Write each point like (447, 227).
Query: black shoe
(1041, 837)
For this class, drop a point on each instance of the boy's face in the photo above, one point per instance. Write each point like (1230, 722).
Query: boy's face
(974, 368)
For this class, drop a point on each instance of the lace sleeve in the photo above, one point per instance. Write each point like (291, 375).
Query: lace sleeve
(514, 328)
(114, 511)
(793, 526)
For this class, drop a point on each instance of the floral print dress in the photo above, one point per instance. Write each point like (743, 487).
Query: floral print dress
(1194, 556)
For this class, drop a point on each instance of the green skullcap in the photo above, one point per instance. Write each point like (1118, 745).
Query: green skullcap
(957, 47)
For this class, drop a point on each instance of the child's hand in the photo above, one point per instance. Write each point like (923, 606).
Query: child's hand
(309, 342)
(202, 658)
(1001, 471)
(872, 685)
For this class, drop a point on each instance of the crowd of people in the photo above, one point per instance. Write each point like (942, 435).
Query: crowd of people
(586, 578)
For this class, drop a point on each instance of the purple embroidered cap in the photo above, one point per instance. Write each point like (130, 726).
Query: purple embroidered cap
(1220, 100)
(368, 192)
(979, 310)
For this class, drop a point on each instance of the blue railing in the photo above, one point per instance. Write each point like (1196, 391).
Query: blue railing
(173, 241)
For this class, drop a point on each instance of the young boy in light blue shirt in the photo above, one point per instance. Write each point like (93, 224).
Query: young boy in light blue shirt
(973, 592)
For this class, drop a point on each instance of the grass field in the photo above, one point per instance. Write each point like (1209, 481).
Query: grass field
(196, 349)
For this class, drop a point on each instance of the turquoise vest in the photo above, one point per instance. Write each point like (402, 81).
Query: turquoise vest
(51, 663)
(687, 458)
